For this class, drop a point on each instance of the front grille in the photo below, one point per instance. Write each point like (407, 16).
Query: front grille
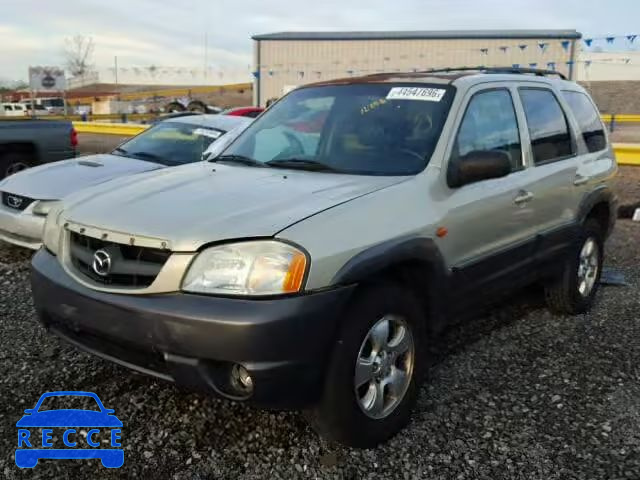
(129, 265)
(16, 202)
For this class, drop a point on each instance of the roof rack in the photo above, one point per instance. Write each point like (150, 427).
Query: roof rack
(532, 71)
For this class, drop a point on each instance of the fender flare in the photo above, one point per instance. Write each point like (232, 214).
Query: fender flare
(404, 251)
(603, 194)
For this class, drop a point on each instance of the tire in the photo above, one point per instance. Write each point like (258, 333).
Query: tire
(197, 106)
(339, 415)
(11, 163)
(563, 294)
(174, 107)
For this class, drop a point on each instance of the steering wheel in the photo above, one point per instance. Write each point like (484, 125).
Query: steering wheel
(413, 154)
(296, 146)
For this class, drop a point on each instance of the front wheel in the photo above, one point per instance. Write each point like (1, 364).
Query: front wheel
(575, 289)
(374, 373)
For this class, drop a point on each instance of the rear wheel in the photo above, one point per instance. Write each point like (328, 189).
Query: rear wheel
(574, 290)
(174, 107)
(12, 163)
(374, 373)
(197, 106)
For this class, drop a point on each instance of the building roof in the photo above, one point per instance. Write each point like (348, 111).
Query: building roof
(419, 35)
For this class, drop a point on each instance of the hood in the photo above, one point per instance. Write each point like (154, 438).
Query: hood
(202, 203)
(69, 418)
(54, 181)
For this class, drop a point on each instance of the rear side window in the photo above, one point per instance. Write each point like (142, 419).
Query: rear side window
(588, 120)
(548, 127)
(490, 124)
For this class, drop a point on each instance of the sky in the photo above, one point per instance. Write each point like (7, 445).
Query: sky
(172, 32)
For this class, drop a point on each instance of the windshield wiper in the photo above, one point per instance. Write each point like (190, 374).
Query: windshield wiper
(121, 151)
(301, 164)
(151, 156)
(241, 159)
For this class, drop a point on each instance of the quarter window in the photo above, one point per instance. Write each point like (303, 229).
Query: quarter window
(490, 124)
(548, 127)
(588, 120)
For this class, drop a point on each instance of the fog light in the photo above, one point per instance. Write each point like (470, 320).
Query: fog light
(241, 380)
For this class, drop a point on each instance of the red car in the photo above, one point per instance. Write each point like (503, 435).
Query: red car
(251, 112)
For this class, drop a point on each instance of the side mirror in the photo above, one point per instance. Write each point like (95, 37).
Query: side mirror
(476, 166)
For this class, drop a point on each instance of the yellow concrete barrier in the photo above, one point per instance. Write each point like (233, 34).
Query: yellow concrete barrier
(627, 153)
(124, 129)
(623, 118)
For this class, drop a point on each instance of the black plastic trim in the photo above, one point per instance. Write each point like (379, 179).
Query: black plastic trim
(281, 342)
(422, 251)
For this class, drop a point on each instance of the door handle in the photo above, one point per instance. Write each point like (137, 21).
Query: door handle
(523, 197)
(580, 180)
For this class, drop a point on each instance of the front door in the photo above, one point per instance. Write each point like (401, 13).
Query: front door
(486, 220)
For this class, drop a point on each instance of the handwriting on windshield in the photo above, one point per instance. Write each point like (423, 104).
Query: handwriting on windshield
(373, 105)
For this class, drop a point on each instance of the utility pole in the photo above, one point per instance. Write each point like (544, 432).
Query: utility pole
(115, 61)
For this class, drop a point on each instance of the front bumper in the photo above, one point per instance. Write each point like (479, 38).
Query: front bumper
(194, 340)
(21, 228)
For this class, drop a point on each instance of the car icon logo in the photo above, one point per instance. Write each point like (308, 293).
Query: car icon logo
(101, 263)
(80, 433)
(13, 201)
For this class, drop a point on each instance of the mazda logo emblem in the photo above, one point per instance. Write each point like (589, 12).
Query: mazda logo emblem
(13, 201)
(101, 263)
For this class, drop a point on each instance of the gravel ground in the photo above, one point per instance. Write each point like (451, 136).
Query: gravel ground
(627, 184)
(517, 393)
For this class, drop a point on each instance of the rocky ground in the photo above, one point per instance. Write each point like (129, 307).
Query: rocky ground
(516, 393)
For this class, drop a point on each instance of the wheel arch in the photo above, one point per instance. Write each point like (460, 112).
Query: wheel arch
(413, 262)
(600, 205)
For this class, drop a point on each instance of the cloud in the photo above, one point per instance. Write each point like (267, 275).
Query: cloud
(171, 33)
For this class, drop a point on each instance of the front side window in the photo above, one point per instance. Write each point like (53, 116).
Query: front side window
(490, 123)
(170, 143)
(548, 127)
(588, 119)
(362, 129)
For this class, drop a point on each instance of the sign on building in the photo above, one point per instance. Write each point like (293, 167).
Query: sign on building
(47, 79)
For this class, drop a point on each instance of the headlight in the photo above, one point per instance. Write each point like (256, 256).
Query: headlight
(52, 230)
(43, 207)
(262, 267)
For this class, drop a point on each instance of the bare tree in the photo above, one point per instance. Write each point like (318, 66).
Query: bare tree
(78, 53)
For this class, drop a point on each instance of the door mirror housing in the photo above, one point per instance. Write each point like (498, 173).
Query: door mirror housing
(476, 166)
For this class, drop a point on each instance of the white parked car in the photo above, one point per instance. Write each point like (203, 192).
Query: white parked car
(27, 196)
(12, 110)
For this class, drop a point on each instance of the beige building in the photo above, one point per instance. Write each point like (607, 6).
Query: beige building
(283, 61)
(607, 66)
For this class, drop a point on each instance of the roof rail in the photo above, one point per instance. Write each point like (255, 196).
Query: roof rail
(532, 71)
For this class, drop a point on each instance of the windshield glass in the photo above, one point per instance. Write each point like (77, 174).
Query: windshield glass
(366, 129)
(170, 143)
(53, 102)
(65, 402)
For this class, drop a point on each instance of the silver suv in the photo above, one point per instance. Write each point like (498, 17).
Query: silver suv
(307, 265)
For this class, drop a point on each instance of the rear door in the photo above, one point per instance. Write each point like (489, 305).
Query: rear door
(596, 159)
(551, 183)
(485, 220)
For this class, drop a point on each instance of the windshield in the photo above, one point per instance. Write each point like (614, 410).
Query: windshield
(65, 402)
(366, 129)
(53, 102)
(170, 143)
